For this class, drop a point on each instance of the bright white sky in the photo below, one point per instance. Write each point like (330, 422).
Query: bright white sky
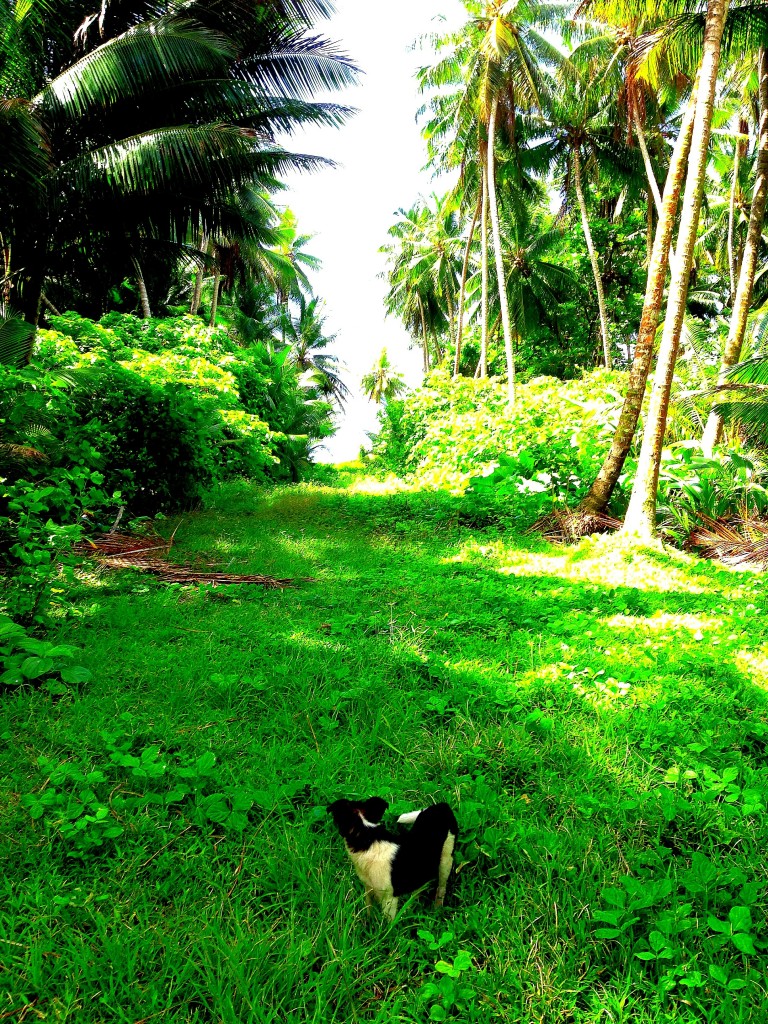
(349, 209)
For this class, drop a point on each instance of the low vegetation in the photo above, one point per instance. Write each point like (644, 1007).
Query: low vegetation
(596, 715)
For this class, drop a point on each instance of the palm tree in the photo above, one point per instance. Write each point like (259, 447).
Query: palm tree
(498, 56)
(576, 135)
(746, 277)
(596, 500)
(383, 383)
(641, 513)
(308, 341)
(147, 137)
(424, 270)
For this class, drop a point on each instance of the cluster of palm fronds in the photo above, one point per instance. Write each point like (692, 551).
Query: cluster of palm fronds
(734, 540)
(145, 553)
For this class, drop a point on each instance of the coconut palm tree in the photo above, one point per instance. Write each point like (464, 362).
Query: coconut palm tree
(383, 383)
(308, 342)
(746, 277)
(576, 136)
(423, 272)
(641, 513)
(146, 137)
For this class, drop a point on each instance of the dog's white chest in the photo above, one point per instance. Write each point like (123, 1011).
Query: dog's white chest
(374, 865)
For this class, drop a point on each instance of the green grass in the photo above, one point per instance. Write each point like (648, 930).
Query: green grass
(597, 716)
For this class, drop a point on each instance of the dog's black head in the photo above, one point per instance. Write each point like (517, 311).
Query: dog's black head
(350, 816)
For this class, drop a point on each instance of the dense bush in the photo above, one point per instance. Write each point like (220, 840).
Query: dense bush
(142, 414)
(457, 434)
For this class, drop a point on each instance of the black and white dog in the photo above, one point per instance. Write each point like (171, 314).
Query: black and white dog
(391, 865)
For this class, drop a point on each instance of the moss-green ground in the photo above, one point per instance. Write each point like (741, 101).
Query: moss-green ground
(597, 717)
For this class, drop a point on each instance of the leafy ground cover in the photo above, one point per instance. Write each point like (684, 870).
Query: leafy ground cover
(596, 715)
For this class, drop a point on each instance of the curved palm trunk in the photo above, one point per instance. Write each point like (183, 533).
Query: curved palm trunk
(641, 514)
(484, 279)
(503, 300)
(598, 496)
(463, 286)
(738, 325)
(146, 312)
(592, 256)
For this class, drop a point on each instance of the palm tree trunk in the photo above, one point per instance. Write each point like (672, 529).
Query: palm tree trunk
(451, 319)
(648, 232)
(484, 279)
(596, 500)
(641, 514)
(731, 218)
(463, 285)
(652, 183)
(501, 280)
(592, 256)
(215, 296)
(197, 291)
(146, 312)
(425, 340)
(743, 300)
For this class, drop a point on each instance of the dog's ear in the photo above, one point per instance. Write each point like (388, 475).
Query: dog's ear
(341, 811)
(374, 809)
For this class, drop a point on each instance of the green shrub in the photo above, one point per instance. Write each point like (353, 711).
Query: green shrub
(460, 434)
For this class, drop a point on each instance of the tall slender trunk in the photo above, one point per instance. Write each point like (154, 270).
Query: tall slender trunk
(592, 256)
(596, 500)
(648, 231)
(425, 340)
(146, 312)
(484, 278)
(641, 514)
(451, 319)
(743, 300)
(503, 300)
(653, 185)
(649, 173)
(215, 296)
(463, 285)
(731, 219)
(197, 291)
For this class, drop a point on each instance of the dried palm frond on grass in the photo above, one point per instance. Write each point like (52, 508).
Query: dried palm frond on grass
(734, 540)
(170, 573)
(135, 551)
(566, 526)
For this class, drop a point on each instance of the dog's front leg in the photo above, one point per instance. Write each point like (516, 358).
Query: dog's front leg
(444, 870)
(389, 906)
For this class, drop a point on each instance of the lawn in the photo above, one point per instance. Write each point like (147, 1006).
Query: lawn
(597, 717)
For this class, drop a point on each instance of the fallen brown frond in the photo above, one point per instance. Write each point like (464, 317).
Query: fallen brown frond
(171, 573)
(734, 540)
(566, 526)
(143, 553)
(123, 544)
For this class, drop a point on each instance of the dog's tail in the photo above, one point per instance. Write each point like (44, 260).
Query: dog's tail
(409, 818)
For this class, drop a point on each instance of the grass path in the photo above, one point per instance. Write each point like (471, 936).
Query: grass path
(597, 717)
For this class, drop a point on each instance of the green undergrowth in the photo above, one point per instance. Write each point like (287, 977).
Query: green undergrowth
(597, 716)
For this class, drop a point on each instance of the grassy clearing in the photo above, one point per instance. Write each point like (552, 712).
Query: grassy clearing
(597, 717)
